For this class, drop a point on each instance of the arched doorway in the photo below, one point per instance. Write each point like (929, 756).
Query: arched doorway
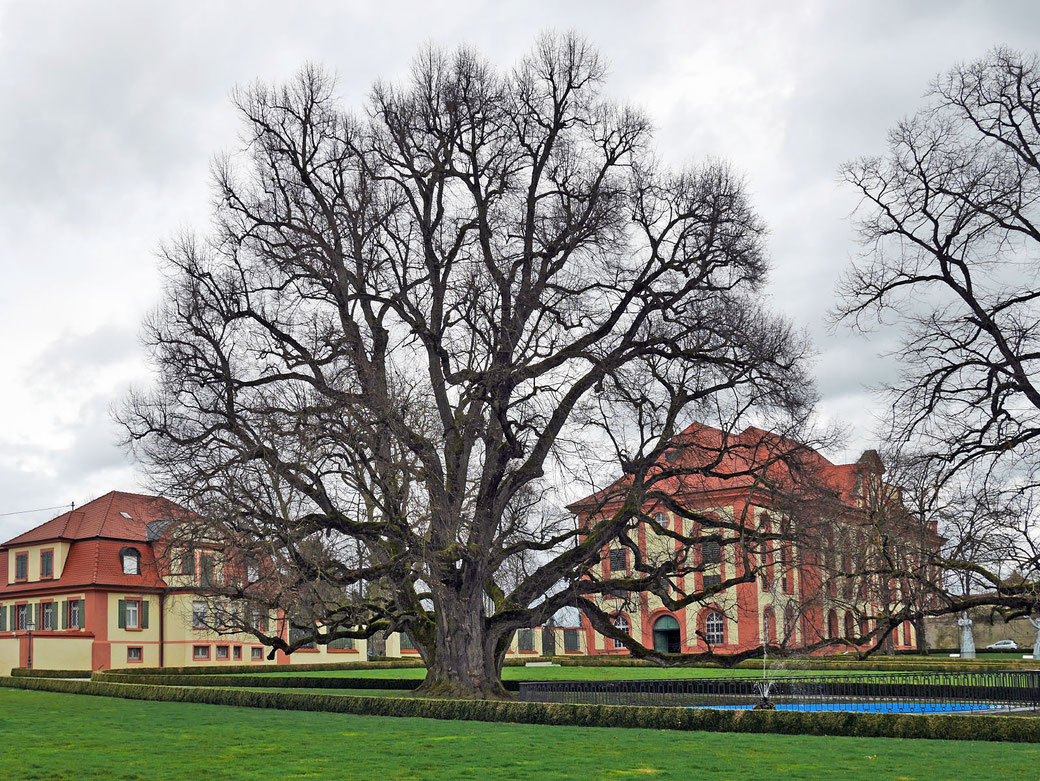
(667, 637)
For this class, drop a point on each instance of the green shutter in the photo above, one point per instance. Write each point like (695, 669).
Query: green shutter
(122, 614)
(14, 618)
(38, 611)
(144, 614)
(64, 614)
(3, 619)
(82, 614)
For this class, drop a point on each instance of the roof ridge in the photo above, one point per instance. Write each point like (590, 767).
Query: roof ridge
(116, 514)
(97, 561)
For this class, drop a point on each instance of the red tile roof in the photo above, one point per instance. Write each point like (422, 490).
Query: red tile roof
(104, 517)
(95, 562)
(704, 460)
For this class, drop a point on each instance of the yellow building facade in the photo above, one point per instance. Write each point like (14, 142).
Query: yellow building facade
(86, 591)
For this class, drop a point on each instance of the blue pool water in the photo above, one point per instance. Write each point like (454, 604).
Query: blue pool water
(872, 707)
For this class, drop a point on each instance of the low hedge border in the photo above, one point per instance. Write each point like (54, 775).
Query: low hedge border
(382, 664)
(271, 682)
(25, 672)
(932, 727)
(216, 669)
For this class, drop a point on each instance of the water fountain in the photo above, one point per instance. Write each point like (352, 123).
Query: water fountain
(772, 674)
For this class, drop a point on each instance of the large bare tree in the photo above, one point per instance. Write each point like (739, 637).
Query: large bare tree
(950, 217)
(416, 332)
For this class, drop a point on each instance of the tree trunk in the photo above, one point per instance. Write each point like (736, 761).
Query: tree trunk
(922, 639)
(464, 664)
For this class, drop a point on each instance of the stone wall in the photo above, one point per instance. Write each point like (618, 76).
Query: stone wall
(943, 632)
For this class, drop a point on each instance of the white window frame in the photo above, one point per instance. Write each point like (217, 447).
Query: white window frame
(131, 650)
(47, 614)
(199, 615)
(74, 620)
(715, 628)
(133, 608)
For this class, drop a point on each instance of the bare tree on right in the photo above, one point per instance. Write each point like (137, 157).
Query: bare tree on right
(951, 223)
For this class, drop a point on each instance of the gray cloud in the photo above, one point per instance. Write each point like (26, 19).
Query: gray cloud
(74, 357)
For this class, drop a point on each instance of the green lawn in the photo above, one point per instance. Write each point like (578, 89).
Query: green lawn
(64, 736)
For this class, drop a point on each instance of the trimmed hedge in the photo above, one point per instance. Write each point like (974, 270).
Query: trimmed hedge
(25, 672)
(271, 682)
(933, 727)
(258, 668)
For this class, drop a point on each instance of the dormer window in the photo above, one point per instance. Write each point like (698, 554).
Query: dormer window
(131, 558)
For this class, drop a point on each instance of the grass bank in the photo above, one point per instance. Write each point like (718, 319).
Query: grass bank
(63, 736)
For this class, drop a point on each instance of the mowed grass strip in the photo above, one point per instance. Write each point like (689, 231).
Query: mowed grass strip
(65, 736)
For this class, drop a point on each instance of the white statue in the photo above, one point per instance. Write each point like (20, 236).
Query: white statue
(1035, 622)
(967, 641)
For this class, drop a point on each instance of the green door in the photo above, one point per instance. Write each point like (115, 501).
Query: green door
(667, 637)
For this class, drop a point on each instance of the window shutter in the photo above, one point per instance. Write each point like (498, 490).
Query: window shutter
(64, 614)
(3, 619)
(82, 614)
(144, 614)
(14, 618)
(38, 611)
(122, 614)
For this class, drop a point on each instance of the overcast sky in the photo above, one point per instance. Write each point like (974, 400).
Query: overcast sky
(111, 112)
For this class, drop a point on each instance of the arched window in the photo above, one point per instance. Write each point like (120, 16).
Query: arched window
(769, 625)
(828, 569)
(850, 629)
(621, 623)
(832, 624)
(789, 624)
(715, 628)
(786, 578)
(766, 553)
(131, 559)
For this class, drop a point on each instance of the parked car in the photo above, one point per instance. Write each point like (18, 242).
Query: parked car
(1003, 645)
